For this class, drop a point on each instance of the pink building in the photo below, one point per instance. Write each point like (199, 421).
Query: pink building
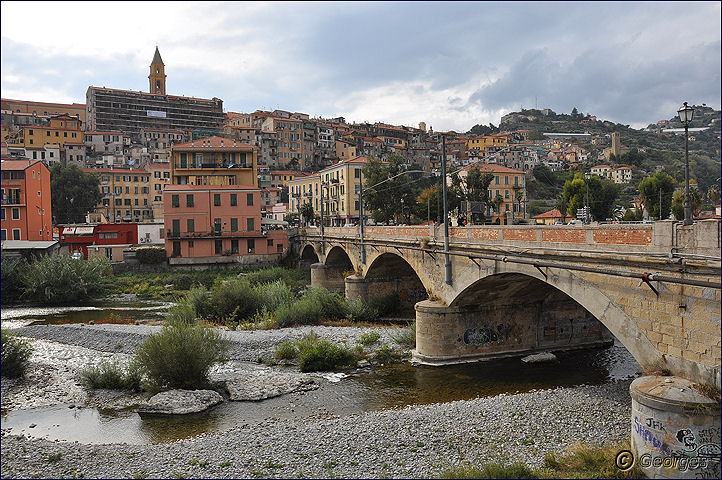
(216, 224)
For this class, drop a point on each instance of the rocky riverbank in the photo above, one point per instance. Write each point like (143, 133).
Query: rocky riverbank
(412, 442)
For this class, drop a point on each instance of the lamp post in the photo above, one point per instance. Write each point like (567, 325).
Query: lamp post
(685, 115)
(447, 260)
(323, 243)
(587, 176)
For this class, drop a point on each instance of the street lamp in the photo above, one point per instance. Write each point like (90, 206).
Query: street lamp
(685, 115)
(587, 176)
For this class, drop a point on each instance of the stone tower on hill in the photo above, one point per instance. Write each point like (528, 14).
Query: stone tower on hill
(157, 74)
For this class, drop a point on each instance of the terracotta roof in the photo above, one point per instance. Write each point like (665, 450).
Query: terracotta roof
(107, 132)
(213, 142)
(283, 172)
(601, 166)
(119, 171)
(18, 164)
(170, 188)
(555, 213)
(487, 167)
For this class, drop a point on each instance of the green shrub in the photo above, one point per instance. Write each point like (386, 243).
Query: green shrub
(11, 283)
(234, 300)
(406, 337)
(14, 353)
(150, 255)
(112, 376)
(59, 278)
(360, 312)
(386, 304)
(273, 295)
(199, 299)
(492, 470)
(321, 355)
(183, 313)
(369, 338)
(384, 354)
(145, 290)
(286, 350)
(290, 276)
(180, 356)
(333, 305)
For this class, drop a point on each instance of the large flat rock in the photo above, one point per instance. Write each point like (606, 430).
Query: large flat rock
(268, 385)
(180, 402)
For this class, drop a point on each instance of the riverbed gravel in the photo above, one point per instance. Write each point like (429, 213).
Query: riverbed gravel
(410, 442)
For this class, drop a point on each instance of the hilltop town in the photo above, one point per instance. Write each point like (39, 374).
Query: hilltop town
(140, 144)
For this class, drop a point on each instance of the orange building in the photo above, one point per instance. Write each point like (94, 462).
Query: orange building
(26, 210)
(216, 221)
(214, 161)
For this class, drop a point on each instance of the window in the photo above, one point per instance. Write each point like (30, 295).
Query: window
(219, 247)
(234, 199)
(251, 245)
(16, 213)
(109, 253)
(190, 225)
(250, 224)
(217, 225)
(183, 160)
(506, 180)
(3, 214)
(16, 234)
(175, 200)
(189, 200)
(176, 227)
(516, 181)
(4, 235)
(176, 249)
(249, 199)
(269, 242)
(234, 224)
(216, 199)
(234, 246)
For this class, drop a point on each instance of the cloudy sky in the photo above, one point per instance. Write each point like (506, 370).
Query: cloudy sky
(451, 65)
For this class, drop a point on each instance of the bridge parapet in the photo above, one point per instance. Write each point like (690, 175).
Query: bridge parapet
(702, 238)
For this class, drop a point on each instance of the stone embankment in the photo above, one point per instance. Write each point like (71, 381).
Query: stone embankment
(411, 442)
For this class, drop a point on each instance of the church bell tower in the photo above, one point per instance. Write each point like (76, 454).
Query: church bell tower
(157, 74)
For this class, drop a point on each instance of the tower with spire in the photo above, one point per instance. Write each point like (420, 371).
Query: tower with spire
(157, 74)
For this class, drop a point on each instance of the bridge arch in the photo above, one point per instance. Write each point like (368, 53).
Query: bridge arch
(388, 273)
(309, 254)
(566, 308)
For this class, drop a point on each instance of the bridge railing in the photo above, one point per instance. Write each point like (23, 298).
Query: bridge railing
(666, 236)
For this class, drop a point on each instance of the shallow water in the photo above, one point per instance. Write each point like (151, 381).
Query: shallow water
(370, 389)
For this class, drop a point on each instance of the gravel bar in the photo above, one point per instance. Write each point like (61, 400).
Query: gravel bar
(411, 442)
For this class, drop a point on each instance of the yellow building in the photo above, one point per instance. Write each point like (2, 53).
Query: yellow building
(62, 129)
(127, 194)
(214, 161)
(159, 177)
(341, 186)
(508, 185)
(345, 150)
(280, 178)
(480, 143)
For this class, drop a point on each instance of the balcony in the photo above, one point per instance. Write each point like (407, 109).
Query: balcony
(11, 200)
(213, 234)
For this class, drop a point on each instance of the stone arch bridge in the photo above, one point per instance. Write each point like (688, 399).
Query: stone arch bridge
(514, 290)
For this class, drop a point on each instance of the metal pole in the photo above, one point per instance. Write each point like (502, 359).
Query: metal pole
(361, 215)
(323, 243)
(660, 204)
(586, 204)
(687, 205)
(446, 211)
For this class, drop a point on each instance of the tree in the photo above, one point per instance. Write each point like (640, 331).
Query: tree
(481, 130)
(695, 200)
(602, 195)
(307, 212)
(476, 189)
(384, 200)
(649, 190)
(74, 193)
(426, 202)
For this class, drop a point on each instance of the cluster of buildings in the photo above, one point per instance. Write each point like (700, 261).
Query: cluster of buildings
(148, 148)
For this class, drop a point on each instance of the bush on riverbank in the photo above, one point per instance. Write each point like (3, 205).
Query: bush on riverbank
(315, 355)
(579, 461)
(11, 283)
(15, 353)
(150, 255)
(406, 337)
(180, 356)
(60, 278)
(112, 376)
